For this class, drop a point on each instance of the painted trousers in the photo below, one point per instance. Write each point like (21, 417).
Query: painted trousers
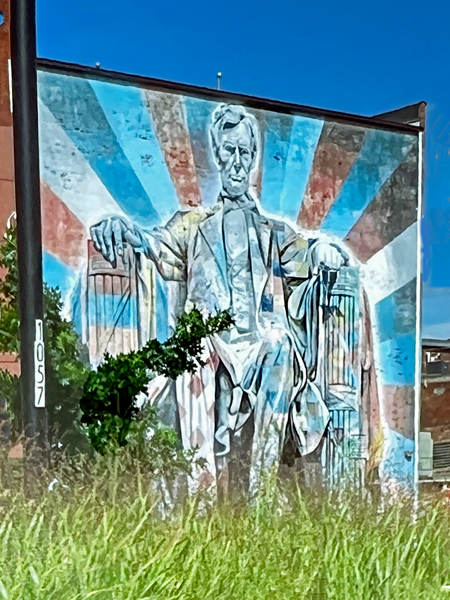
(256, 384)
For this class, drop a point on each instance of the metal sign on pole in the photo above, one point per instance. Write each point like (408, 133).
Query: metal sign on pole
(39, 366)
(29, 242)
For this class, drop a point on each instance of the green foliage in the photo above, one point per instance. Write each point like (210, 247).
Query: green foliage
(67, 367)
(109, 404)
(66, 361)
(9, 315)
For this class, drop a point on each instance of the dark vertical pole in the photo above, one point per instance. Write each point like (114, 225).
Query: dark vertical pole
(29, 243)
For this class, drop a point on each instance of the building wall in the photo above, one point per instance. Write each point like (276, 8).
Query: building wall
(110, 149)
(7, 204)
(435, 406)
(7, 198)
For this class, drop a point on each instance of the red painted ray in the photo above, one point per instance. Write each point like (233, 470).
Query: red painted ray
(63, 235)
(364, 238)
(331, 167)
(338, 147)
(171, 128)
(399, 408)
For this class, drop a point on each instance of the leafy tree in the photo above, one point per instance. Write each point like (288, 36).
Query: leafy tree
(9, 284)
(66, 363)
(109, 402)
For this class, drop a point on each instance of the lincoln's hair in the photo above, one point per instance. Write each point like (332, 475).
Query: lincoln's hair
(228, 116)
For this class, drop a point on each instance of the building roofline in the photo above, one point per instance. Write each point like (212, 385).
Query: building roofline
(222, 96)
(411, 114)
(438, 344)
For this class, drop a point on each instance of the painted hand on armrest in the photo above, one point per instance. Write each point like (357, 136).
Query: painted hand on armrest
(327, 256)
(109, 236)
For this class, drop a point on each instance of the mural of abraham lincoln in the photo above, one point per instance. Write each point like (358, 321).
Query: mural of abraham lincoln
(265, 380)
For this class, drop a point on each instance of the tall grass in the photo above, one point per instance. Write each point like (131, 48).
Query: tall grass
(102, 538)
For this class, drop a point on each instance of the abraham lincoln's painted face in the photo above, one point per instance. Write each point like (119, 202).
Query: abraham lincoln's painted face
(235, 157)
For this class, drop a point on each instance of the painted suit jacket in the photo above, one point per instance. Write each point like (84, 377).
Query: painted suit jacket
(190, 250)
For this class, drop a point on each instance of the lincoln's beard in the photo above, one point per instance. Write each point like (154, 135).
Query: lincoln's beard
(235, 185)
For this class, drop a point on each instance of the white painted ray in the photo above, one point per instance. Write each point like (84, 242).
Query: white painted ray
(69, 175)
(392, 267)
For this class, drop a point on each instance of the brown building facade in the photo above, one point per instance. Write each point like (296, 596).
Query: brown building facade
(435, 407)
(7, 198)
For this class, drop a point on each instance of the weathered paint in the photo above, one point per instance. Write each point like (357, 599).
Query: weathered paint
(109, 149)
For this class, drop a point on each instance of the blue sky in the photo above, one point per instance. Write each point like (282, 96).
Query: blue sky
(351, 56)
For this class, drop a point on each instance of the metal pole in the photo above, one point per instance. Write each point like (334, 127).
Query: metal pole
(29, 242)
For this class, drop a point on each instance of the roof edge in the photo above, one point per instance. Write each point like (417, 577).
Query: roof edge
(410, 115)
(219, 95)
(432, 343)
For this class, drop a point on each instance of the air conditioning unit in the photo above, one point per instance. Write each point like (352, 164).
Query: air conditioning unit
(441, 456)
(425, 455)
(437, 367)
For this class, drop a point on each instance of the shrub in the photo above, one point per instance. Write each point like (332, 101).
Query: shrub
(66, 364)
(109, 401)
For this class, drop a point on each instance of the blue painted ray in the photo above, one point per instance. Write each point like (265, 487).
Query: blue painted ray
(380, 156)
(396, 314)
(397, 360)
(57, 274)
(276, 150)
(132, 125)
(305, 134)
(75, 106)
(396, 331)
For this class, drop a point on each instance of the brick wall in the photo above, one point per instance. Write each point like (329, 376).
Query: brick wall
(435, 412)
(435, 406)
(7, 200)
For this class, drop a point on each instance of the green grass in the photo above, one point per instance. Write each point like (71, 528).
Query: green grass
(102, 539)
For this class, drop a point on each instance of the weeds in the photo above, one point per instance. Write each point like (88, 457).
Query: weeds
(102, 537)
